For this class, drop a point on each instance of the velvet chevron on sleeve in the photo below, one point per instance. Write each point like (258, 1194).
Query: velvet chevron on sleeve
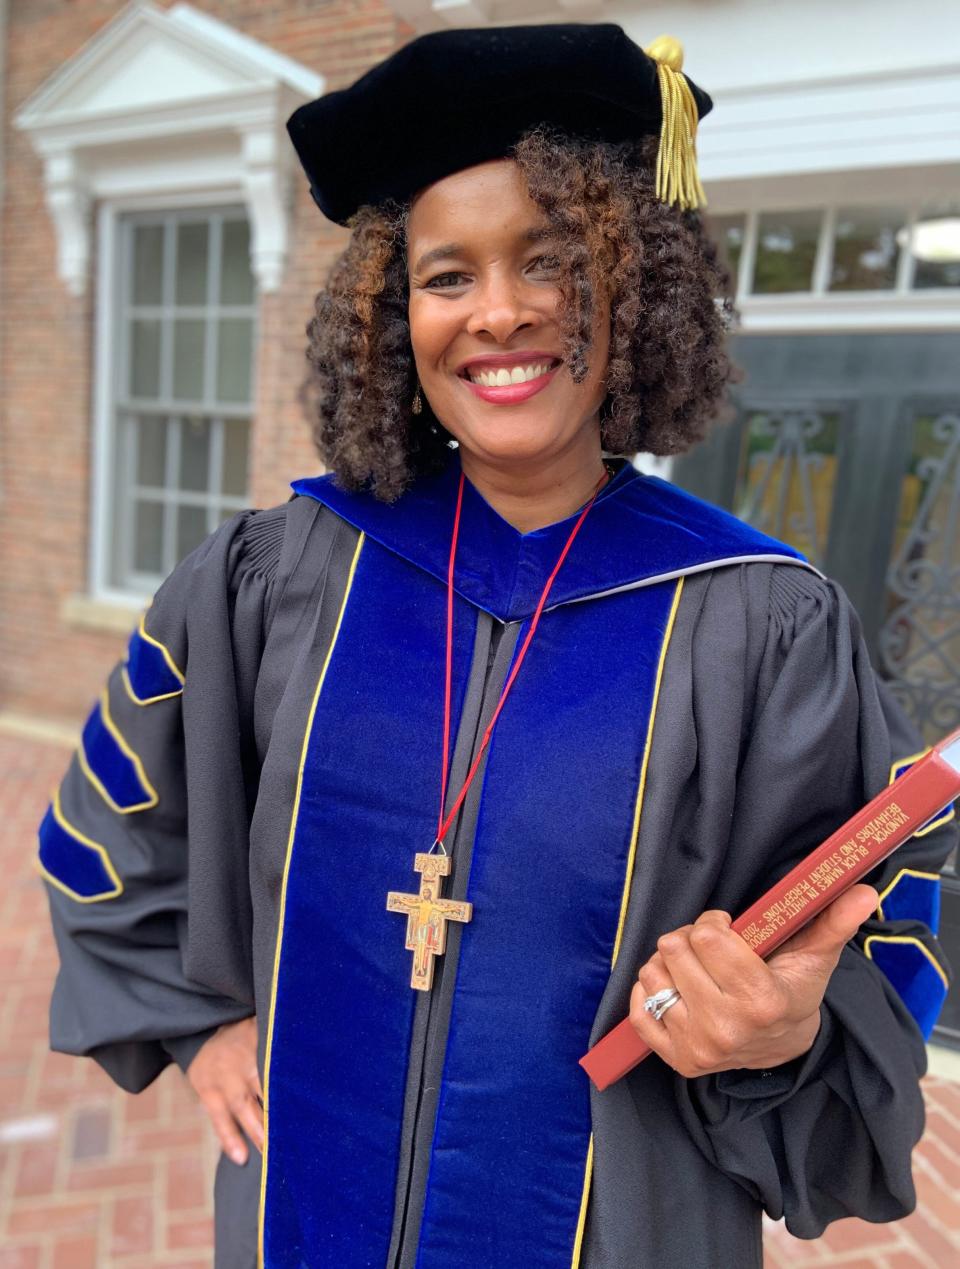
(147, 837)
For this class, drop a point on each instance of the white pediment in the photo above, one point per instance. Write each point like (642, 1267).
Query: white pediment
(436, 15)
(149, 57)
(134, 107)
(145, 70)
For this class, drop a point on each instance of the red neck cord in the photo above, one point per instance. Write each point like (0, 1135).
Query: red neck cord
(444, 823)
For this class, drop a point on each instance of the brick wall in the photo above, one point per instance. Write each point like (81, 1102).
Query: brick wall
(48, 669)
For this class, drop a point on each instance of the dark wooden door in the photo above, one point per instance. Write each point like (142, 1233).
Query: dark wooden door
(848, 447)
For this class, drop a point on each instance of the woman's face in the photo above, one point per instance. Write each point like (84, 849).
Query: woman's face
(484, 295)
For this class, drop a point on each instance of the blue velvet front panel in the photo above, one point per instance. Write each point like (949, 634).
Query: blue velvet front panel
(547, 876)
(547, 879)
(115, 770)
(344, 1005)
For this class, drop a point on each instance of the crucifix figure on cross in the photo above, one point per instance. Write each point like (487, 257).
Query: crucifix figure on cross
(427, 916)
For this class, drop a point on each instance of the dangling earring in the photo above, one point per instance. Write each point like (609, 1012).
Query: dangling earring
(417, 406)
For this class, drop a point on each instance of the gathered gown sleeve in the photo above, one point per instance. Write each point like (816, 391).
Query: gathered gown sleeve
(144, 848)
(831, 1133)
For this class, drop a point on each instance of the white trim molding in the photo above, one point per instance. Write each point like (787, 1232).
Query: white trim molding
(436, 15)
(898, 119)
(801, 314)
(165, 102)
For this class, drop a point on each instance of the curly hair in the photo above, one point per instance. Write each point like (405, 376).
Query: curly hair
(670, 309)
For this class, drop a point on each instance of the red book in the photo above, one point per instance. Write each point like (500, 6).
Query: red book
(845, 857)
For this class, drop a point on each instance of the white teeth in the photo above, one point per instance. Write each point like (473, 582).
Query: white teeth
(501, 378)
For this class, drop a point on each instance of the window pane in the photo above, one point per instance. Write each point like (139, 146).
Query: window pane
(727, 232)
(192, 263)
(236, 280)
(233, 363)
(188, 359)
(147, 264)
(235, 458)
(865, 250)
(194, 454)
(937, 273)
(151, 452)
(191, 529)
(165, 454)
(145, 358)
(148, 537)
(786, 248)
(945, 270)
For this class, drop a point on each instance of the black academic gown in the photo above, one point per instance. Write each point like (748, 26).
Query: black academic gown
(209, 773)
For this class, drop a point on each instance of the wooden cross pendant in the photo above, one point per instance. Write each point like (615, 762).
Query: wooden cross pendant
(427, 916)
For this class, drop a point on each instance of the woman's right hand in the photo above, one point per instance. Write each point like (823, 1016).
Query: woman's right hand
(224, 1076)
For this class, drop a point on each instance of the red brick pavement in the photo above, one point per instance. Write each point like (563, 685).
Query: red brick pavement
(91, 1178)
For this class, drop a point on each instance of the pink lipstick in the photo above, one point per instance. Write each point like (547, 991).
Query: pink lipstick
(511, 393)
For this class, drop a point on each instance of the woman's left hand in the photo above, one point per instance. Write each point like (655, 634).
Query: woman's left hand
(737, 1010)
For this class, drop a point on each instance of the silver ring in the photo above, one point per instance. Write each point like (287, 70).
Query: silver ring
(658, 1004)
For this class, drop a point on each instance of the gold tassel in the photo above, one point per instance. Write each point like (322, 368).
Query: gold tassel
(677, 177)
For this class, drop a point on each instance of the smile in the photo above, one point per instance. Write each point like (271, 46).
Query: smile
(508, 385)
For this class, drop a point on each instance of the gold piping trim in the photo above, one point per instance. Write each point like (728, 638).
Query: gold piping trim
(906, 938)
(92, 845)
(904, 872)
(635, 831)
(584, 1201)
(167, 656)
(171, 665)
(945, 818)
(152, 796)
(146, 700)
(631, 859)
(905, 763)
(283, 897)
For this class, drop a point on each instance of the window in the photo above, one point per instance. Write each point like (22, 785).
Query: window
(866, 253)
(727, 232)
(939, 272)
(832, 252)
(785, 252)
(182, 399)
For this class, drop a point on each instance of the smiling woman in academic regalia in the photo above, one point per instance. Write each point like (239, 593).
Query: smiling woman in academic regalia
(417, 768)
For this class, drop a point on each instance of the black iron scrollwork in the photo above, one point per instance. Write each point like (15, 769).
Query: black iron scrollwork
(789, 467)
(920, 640)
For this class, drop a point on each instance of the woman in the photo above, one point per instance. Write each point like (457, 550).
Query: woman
(563, 718)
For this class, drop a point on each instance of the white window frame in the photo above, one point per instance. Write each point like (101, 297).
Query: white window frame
(820, 310)
(108, 362)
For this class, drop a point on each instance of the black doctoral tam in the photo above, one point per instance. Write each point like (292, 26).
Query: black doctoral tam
(452, 99)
